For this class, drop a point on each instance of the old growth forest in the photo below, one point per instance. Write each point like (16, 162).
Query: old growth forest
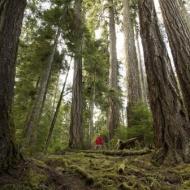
(94, 95)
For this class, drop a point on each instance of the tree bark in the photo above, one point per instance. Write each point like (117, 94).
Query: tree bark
(91, 108)
(113, 111)
(35, 114)
(171, 125)
(76, 130)
(184, 11)
(11, 16)
(179, 39)
(52, 125)
(133, 74)
(56, 91)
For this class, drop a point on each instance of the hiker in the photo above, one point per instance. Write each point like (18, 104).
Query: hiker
(99, 142)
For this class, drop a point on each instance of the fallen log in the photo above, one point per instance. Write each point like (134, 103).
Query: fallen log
(131, 143)
(121, 152)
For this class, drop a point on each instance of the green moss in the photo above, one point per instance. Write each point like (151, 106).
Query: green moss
(39, 163)
(56, 161)
(141, 186)
(20, 187)
(139, 173)
(124, 186)
(155, 185)
(35, 177)
(186, 185)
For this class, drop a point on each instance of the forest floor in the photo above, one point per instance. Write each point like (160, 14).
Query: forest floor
(91, 170)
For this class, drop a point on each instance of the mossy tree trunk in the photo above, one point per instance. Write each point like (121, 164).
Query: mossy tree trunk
(11, 16)
(170, 122)
(76, 130)
(179, 39)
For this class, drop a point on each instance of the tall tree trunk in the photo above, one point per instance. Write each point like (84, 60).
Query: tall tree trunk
(53, 122)
(11, 16)
(179, 39)
(35, 114)
(170, 122)
(113, 111)
(56, 91)
(133, 73)
(91, 106)
(76, 130)
(143, 79)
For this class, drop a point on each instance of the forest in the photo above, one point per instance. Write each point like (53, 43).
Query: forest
(94, 95)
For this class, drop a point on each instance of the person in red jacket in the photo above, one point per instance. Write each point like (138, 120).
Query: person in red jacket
(99, 142)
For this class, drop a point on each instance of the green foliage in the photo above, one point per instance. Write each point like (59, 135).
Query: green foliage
(141, 115)
(41, 22)
(60, 137)
(141, 124)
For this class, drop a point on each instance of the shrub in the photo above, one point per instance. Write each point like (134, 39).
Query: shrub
(141, 122)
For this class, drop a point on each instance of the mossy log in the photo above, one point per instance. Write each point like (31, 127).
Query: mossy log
(121, 152)
(130, 143)
(89, 179)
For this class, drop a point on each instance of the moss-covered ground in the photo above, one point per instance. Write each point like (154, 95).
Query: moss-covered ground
(90, 170)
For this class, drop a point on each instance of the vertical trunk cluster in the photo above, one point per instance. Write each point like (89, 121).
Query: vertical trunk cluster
(76, 130)
(179, 39)
(35, 114)
(11, 16)
(113, 112)
(54, 118)
(170, 122)
(133, 74)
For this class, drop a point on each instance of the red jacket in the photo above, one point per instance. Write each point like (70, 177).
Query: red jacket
(99, 140)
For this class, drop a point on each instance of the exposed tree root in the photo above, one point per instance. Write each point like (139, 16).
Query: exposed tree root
(121, 168)
(88, 178)
(124, 186)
